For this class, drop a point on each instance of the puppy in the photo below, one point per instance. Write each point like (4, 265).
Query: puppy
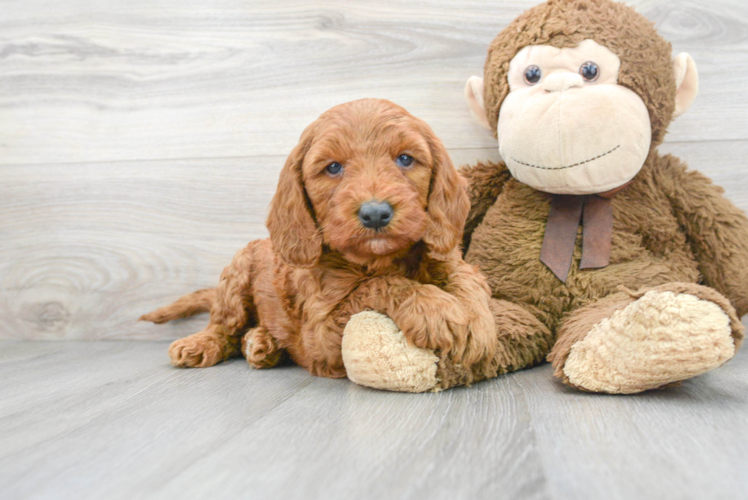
(368, 215)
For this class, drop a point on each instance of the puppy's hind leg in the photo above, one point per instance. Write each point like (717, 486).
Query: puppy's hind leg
(261, 349)
(232, 313)
(203, 349)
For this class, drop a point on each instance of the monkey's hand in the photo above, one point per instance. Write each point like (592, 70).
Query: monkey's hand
(716, 230)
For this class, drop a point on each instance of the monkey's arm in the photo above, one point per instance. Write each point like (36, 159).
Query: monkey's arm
(716, 229)
(485, 182)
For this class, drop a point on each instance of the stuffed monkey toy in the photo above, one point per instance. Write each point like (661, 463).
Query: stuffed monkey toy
(623, 268)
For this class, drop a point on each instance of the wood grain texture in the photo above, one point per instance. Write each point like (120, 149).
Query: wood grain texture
(140, 142)
(101, 81)
(112, 420)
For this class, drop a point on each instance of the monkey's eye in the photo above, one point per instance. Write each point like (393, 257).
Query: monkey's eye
(589, 71)
(334, 168)
(532, 75)
(404, 161)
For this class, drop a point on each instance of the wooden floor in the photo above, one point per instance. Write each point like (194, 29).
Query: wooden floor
(140, 143)
(111, 420)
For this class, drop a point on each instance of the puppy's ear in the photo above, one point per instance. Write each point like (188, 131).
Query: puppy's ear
(448, 202)
(293, 230)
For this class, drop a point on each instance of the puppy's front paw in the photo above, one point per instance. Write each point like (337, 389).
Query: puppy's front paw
(433, 319)
(196, 351)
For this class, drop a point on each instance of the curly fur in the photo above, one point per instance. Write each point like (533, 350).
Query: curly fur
(294, 293)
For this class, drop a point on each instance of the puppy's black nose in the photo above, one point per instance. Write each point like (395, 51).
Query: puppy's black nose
(375, 214)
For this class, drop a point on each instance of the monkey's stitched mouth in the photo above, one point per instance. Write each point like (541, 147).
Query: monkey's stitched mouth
(566, 166)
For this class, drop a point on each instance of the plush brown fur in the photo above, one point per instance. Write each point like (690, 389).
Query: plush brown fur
(672, 227)
(295, 292)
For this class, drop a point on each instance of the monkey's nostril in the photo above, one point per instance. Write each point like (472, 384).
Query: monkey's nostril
(375, 214)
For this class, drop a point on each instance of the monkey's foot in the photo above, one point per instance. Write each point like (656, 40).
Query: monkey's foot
(376, 354)
(660, 338)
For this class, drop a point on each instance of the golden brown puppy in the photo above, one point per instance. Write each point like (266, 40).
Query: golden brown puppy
(368, 215)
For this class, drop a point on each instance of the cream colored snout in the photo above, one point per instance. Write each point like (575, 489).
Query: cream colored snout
(558, 82)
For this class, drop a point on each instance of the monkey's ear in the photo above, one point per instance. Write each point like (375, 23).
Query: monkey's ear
(474, 97)
(686, 83)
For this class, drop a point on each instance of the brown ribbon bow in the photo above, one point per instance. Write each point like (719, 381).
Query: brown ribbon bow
(596, 215)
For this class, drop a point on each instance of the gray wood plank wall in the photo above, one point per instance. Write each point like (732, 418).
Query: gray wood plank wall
(140, 141)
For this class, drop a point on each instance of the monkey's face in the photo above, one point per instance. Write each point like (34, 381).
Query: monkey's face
(566, 126)
(578, 92)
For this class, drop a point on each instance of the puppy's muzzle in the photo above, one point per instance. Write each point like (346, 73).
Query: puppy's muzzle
(375, 214)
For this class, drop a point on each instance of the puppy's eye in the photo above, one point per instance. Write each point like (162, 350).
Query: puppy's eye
(404, 161)
(532, 75)
(334, 168)
(589, 71)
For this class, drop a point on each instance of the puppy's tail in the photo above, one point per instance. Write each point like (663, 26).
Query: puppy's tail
(189, 305)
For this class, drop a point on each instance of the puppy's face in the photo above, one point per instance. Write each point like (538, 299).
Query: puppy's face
(367, 177)
(368, 180)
